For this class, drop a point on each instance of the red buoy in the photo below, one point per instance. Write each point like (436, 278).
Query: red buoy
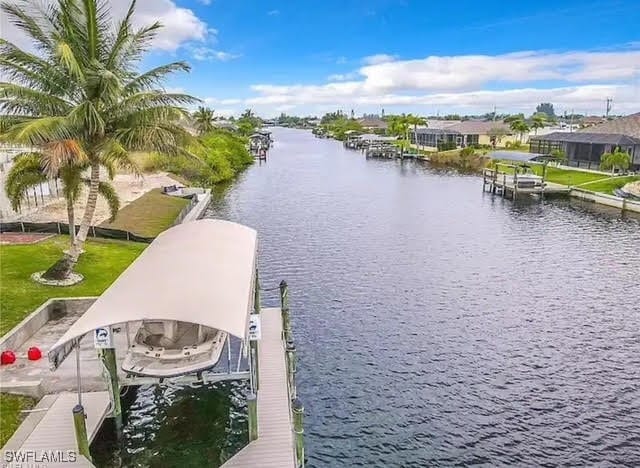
(7, 357)
(34, 353)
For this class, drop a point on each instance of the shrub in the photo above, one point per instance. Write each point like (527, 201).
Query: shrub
(446, 145)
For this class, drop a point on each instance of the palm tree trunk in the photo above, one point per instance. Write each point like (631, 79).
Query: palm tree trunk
(71, 219)
(63, 267)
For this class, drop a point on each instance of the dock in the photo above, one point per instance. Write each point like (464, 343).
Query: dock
(259, 345)
(49, 429)
(513, 185)
(274, 446)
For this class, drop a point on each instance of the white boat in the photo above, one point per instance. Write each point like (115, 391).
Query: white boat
(169, 348)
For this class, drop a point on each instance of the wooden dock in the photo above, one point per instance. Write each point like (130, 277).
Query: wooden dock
(513, 185)
(49, 428)
(274, 447)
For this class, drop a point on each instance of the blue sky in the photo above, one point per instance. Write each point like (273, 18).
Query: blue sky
(309, 57)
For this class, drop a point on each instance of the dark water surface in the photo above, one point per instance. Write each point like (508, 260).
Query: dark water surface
(437, 325)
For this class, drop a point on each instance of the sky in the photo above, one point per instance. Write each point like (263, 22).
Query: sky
(308, 57)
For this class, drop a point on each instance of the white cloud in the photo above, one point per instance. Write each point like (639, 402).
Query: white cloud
(378, 59)
(205, 2)
(207, 53)
(223, 102)
(578, 80)
(343, 76)
(273, 12)
(181, 25)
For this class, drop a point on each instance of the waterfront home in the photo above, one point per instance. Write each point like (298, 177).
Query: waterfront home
(373, 124)
(586, 147)
(463, 134)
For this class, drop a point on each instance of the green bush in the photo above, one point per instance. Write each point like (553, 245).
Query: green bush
(446, 145)
(468, 151)
(218, 156)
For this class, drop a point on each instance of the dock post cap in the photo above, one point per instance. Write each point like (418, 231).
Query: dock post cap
(283, 283)
(78, 409)
(251, 396)
(297, 405)
(290, 346)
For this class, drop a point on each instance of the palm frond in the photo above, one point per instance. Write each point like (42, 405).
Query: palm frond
(72, 181)
(39, 102)
(27, 22)
(115, 155)
(40, 131)
(108, 192)
(122, 36)
(60, 153)
(153, 77)
(25, 173)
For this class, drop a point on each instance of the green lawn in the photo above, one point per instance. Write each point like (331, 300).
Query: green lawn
(10, 416)
(559, 175)
(149, 215)
(609, 185)
(101, 264)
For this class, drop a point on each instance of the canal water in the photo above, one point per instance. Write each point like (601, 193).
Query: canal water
(436, 325)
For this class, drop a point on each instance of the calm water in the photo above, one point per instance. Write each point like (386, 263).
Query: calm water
(437, 325)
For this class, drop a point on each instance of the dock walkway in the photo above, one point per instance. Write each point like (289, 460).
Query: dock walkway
(274, 447)
(49, 429)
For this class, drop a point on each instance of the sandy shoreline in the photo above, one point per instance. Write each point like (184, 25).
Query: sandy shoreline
(128, 186)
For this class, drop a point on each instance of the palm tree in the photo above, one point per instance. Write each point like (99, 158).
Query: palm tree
(28, 172)
(416, 120)
(617, 160)
(204, 118)
(519, 126)
(539, 120)
(83, 87)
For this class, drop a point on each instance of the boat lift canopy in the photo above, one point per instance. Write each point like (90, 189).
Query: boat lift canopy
(201, 272)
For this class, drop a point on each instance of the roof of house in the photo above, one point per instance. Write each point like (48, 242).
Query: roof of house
(480, 127)
(436, 131)
(468, 127)
(368, 122)
(628, 125)
(441, 124)
(588, 137)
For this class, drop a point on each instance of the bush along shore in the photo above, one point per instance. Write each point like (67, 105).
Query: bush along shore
(218, 156)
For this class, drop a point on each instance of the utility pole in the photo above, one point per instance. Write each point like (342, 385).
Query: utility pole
(494, 113)
(571, 122)
(609, 102)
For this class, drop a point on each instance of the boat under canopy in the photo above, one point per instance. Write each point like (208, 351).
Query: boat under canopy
(191, 287)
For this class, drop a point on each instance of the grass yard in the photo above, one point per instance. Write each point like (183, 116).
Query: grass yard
(609, 185)
(149, 215)
(10, 416)
(101, 264)
(559, 175)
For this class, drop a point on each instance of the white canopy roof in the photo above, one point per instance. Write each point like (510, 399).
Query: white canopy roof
(200, 272)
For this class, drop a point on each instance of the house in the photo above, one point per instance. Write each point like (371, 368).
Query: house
(587, 146)
(465, 133)
(373, 124)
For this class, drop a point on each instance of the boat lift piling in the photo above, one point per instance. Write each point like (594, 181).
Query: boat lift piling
(79, 416)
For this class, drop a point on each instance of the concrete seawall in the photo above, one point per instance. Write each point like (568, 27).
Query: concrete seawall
(604, 199)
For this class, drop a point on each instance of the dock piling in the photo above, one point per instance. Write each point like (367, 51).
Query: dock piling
(284, 307)
(291, 368)
(298, 429)
(252, 404)
(111, 366)
(80, 426)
